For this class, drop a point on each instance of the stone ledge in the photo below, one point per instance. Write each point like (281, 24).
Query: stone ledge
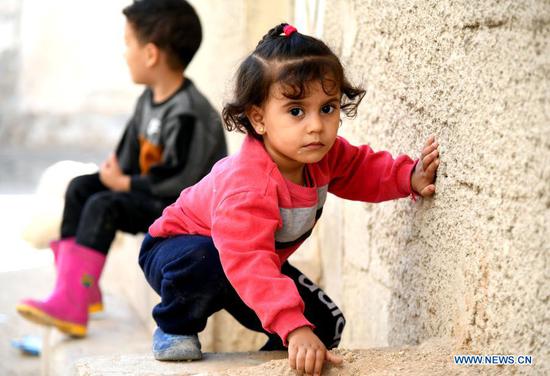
(116, 331)
(433, 357)
(145, 364)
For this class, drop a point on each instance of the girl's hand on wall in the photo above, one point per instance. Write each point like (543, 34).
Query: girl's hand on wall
(423, 176)
(306, 352)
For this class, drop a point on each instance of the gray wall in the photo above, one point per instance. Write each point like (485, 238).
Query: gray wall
(472, 262)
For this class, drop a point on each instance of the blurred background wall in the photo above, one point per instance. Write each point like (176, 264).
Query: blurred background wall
(470, 264)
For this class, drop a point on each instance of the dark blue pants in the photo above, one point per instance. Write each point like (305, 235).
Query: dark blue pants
(187, 274)
(93, 213)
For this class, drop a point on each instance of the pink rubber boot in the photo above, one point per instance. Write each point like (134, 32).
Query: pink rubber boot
(95, 303)
(66, 308)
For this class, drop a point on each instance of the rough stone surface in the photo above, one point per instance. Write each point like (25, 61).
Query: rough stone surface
(117, 331)
(12, 326)
(141, 365)
(472, 262)
(430, 358)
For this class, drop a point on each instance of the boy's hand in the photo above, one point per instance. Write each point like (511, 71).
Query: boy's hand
(424, 173)
(306, 352)
(112, 176)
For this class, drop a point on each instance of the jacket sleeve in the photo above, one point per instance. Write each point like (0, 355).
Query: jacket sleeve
(127, 151)
(243, 229)
(165, 178)
(359, 173)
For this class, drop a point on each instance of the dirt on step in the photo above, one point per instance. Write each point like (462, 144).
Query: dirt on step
(433, 357)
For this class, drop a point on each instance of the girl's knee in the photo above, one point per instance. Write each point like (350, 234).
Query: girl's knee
(200, 260)
(180, 257)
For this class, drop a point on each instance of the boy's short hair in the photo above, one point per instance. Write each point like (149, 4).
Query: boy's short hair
(172, 25)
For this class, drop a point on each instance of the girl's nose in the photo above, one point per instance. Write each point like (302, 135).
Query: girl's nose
(315, 124)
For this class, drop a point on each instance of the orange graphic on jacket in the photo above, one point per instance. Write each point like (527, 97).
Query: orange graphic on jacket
(149, 155)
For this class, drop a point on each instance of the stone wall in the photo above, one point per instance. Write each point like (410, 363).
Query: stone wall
(472, 262)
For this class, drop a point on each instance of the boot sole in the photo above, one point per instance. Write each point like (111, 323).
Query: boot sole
(95, 307)
(172, 356)
(40, 317)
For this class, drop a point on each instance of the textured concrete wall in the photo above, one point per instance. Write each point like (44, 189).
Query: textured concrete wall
(471, 263)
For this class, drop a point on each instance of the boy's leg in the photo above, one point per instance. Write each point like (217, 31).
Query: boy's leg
(106, 212)
(103, 214)
(186, 272)
(79, 190)
(80, 263)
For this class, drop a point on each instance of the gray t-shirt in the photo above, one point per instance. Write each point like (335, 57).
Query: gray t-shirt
(169, 146)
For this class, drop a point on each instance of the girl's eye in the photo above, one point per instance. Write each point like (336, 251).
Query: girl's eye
(328, 109)
(296, 111)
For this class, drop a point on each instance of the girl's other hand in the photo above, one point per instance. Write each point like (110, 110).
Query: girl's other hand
(423, 176)
(306, 352)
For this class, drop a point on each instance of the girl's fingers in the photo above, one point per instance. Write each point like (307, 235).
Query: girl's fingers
(292, 358)
(300, 360)
(430, 140)
(428, 190)
(432, 168)
(334, 359)
(311, 359)
(428, 149)
(429, 158)
(319, 360)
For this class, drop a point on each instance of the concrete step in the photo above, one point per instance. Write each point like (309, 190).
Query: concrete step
(116, 331)
(428, 359)
(145, 364)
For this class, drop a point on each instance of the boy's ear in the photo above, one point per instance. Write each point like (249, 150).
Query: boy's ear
(152, 55)
(256, 116)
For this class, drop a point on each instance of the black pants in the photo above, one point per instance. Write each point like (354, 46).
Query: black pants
(187, 274)
(93, 213)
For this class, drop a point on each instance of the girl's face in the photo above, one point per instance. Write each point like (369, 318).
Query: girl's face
(135, 55)
(297, 132)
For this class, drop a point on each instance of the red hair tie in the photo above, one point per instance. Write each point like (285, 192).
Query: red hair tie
(289, 29)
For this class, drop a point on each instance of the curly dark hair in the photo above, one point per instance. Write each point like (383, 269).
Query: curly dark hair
(172, 25)
(293, 61)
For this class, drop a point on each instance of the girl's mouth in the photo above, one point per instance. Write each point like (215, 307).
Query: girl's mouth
(314, 145)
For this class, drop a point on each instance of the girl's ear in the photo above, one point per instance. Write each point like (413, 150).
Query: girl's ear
(256, 116)
(152, 55)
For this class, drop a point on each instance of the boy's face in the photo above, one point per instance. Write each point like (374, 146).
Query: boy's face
(135, 55)
(300, 131)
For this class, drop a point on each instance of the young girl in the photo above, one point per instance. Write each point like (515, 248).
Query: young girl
(225, 242)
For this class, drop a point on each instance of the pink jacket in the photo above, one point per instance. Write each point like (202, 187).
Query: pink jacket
(257, 218)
